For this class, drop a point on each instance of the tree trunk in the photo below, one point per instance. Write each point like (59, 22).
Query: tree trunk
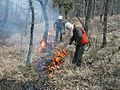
(118, 13)
(105, 23)
(88, 15)
(45, 36)
(77, 7)
(118, 7)
(66, 13)
(26, 24)
(31, 34)
(113, 5)
(85, 7)
(6, 11)
(60, 9)
(93, 9)
(102, 11)
(6, 14)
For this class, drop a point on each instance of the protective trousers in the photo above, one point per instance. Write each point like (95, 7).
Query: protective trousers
(58, 31)
(78, 56)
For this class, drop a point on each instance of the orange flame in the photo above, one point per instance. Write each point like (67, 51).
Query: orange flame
(57, 59)
(51, 32)
(42, 46)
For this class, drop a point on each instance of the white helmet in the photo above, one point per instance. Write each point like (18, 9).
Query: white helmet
(60, 17)
(69, 26)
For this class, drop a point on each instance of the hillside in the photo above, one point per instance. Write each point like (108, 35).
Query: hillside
(100, 69)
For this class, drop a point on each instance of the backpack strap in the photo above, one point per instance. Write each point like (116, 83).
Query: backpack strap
(82, 30)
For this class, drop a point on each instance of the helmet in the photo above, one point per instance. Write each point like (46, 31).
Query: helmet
(60, 17)
(69, 26)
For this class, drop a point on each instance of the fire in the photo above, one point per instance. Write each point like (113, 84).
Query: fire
(51, 32)
(42, 46)
(56, 58)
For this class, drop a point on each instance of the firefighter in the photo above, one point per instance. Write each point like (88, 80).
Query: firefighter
(77, 37)
(59, 26)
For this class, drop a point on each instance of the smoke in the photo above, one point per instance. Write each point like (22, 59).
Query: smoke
(40, 26)
(19, 16)
(18, 23)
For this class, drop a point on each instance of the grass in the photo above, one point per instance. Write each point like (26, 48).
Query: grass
(100, 68)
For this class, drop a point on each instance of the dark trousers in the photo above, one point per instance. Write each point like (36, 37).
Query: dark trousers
(58, 31)
(78, 56)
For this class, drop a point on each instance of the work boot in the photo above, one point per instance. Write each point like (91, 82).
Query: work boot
(78, 64)
(73, 61)
(60, 38)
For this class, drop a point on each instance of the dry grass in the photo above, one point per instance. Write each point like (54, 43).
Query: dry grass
(100, 69)
(11, 58)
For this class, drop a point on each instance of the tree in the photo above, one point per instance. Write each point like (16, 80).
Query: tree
(67, 8)
(64, 6)
(43, 5)
(102, 10)
(58, 3)
(88, 15)
(93, 8)
(79, 7)
(31, 34)
(118, 7)
(113, 6)
(105, 23)
(85, 7)
(6, 13)
(118, 12)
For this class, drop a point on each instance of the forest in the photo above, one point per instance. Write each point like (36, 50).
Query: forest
(32, 59)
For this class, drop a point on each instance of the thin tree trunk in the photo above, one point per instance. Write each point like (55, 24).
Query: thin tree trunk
(102, 11)
(88, 15)
(11, 11)
(26, 25)
(6, 13)
(45, 36)
(31, 34)
(85, 7)
(93, 9)
(66, 13)
(118, 13)
(60, 9)
(105, 23)
(77, 7)
(118, 7)
(21, 42)
(113, 5)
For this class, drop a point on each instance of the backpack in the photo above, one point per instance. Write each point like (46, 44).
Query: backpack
(84, 37)
(59, 24)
